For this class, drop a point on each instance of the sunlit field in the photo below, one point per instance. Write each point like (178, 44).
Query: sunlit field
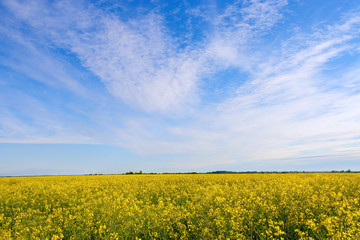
(193, 206)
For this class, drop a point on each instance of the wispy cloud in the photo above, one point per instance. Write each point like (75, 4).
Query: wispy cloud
(137, 60)
(290, 100)
(288, 109)
(39, 65)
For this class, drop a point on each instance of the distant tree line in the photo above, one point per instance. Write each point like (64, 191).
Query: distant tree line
(140, 172)
(240, 172)
(248, 172)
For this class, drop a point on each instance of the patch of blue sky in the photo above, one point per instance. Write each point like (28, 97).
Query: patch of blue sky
(126, 10)
(314, 152)
(36, 92)
(309, 15)
(222, 85)
(66, 159)
(187, 33)
(338, 68)
(345, 61)
(305, 163)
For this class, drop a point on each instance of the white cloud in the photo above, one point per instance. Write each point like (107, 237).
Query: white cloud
(287, 110)
(287, 102)
(137, 60)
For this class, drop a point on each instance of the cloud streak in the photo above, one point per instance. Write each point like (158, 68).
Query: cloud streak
(161, 77)
(287, 110)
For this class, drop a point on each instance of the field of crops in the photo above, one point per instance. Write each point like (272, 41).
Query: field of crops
(196, 206)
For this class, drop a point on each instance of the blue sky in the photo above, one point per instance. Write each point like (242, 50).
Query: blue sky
(176, 86)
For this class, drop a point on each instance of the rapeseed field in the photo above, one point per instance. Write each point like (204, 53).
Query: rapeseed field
(202, 206)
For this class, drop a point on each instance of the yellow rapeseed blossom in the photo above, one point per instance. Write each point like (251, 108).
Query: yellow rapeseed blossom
(202, 206)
